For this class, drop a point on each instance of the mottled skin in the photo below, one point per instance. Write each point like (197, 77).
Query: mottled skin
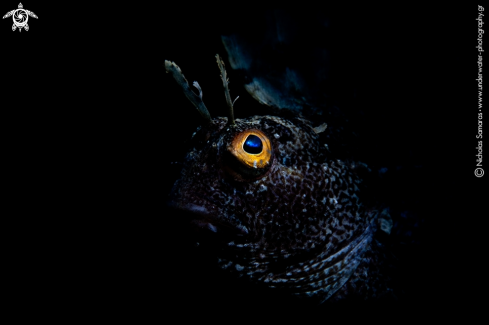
(302, 226)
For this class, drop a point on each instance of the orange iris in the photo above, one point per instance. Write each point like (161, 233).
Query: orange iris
(251, 160)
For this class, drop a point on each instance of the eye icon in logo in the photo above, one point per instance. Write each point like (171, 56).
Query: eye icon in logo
(20, 17)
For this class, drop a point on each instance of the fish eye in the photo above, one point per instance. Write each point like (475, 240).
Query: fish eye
(252, 151)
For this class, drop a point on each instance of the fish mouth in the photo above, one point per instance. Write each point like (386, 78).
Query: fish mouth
(202, 220)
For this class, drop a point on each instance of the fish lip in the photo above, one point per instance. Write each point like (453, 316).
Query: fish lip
(190, 207)
(201, 217)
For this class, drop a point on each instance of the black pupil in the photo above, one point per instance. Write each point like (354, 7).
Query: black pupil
(253, 144)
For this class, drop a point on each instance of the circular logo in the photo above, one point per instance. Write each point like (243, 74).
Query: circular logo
(479, 172)
(20, 17)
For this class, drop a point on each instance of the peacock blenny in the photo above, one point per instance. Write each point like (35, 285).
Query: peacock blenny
(283, 211)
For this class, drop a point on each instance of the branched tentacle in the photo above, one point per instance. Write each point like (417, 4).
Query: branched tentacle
(195, 99)
(225, 82)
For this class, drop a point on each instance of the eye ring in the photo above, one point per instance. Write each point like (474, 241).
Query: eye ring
(258, 160)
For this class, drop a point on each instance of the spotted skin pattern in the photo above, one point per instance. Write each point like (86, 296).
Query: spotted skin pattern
(301, 226)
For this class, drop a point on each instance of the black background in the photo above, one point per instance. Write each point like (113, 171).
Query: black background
(91, 124)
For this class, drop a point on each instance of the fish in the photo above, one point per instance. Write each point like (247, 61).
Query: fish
(278, 208)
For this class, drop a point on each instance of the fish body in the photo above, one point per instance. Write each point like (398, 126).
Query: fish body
(301, 223)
